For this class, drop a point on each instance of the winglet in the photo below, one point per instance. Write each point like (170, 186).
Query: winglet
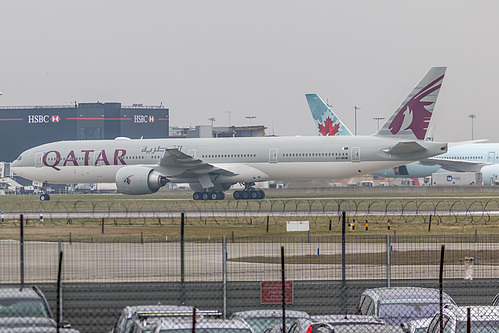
(326, 122)
(412, 118)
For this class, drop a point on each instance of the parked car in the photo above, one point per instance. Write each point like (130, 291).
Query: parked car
(316, 324)
(29, 306)
(259, 320)
(396, 305)
(143, 312)
(416, 326)
(204, 325)
(455, 319)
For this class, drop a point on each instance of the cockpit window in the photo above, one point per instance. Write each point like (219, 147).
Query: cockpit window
(20, 157)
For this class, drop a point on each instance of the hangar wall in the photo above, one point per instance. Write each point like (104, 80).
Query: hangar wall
(24, 127)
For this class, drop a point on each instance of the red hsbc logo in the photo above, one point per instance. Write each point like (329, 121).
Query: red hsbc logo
(55, 119)
(143, 119)
(151, 119)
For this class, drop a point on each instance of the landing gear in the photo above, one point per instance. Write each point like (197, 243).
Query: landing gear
(208, 195)
(44, 197)
(249, 192)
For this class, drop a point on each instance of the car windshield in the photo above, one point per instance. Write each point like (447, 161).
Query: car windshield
(478, 326)
(22, 308)
(407, 311)
(260, 324)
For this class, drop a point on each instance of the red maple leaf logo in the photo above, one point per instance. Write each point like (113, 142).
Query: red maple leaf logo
(329, 129)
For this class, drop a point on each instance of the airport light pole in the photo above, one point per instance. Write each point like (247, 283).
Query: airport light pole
(212, 120)
(378, 119)
(228, 113)
(250, 117)
(472, 116)
(355, 108)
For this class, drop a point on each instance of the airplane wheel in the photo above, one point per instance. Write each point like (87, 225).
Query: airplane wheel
(214, 196)
(44, 197)
(261, 194)
(245, 195)
(196, 196)
(205, 196)
(221, 195)
(237, 195)
(254, 195)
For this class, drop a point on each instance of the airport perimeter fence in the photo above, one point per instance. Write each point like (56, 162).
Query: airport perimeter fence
(121, 210)
(323, 275)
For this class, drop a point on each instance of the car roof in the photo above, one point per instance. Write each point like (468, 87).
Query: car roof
(330, 319)
(146, 310)
(269, 314)
(13, 293)
(204, 323)
(6, 322)
(396, 294)
(485, 312)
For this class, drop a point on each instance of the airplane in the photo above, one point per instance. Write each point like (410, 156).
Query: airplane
(212, 165)
(468, 156)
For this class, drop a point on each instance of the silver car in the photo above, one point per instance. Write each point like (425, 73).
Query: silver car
(455, 319)
(203, 325)
(396, 305)
(260, 320)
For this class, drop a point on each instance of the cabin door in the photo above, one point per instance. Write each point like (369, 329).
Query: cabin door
(355, 154)
(273, 155)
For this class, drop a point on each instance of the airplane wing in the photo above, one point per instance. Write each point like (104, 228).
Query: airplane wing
(404, 148)
(176, 163)
(455, 165)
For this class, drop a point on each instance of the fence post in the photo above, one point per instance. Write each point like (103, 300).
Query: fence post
(283, 286)
(21, 253)
(388, 261)
(343, 264)
(441, 287)
(224, 275)
(182, 277)
(59, 286)
(267, 224)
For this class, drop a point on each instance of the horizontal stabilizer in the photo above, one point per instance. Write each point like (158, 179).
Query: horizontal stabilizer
(455, 165)
(404, 148)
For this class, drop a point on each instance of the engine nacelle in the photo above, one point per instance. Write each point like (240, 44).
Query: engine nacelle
(490, 174)
(139, 180)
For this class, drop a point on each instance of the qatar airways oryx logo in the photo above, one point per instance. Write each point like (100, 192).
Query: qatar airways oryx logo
(414, 114)
(143, 119)
(43, 119)
(128, 180)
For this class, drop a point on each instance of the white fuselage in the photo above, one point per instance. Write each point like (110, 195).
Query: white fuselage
(248, 159)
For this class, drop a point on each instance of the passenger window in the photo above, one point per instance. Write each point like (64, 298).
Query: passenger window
(370, 310)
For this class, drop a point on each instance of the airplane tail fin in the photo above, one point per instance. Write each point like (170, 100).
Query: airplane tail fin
(326, 122)
(412, 118)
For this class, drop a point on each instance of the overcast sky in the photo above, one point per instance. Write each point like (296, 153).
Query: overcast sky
(204, 59)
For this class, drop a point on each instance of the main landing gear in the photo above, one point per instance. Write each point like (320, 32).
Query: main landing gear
(209, 195)
(44, 196)
(249, 192)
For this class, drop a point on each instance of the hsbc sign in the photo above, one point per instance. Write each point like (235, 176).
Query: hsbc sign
(143, 119)
(43, 119)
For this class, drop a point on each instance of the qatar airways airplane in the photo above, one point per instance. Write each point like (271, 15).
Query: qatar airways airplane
(213, 165)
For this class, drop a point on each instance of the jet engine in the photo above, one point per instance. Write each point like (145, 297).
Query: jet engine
(139, 180)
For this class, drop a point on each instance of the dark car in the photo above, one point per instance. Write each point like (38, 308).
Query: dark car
(396, 305)
(327, 323)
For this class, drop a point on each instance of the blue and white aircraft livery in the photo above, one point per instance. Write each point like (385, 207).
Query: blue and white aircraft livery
(213, 165)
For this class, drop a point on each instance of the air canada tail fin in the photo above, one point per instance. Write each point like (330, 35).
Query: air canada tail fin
(326, 122)
(412, 118)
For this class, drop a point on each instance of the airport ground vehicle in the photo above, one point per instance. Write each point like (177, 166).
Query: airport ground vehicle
(259, 320)
(455, 319)
(396, 305)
